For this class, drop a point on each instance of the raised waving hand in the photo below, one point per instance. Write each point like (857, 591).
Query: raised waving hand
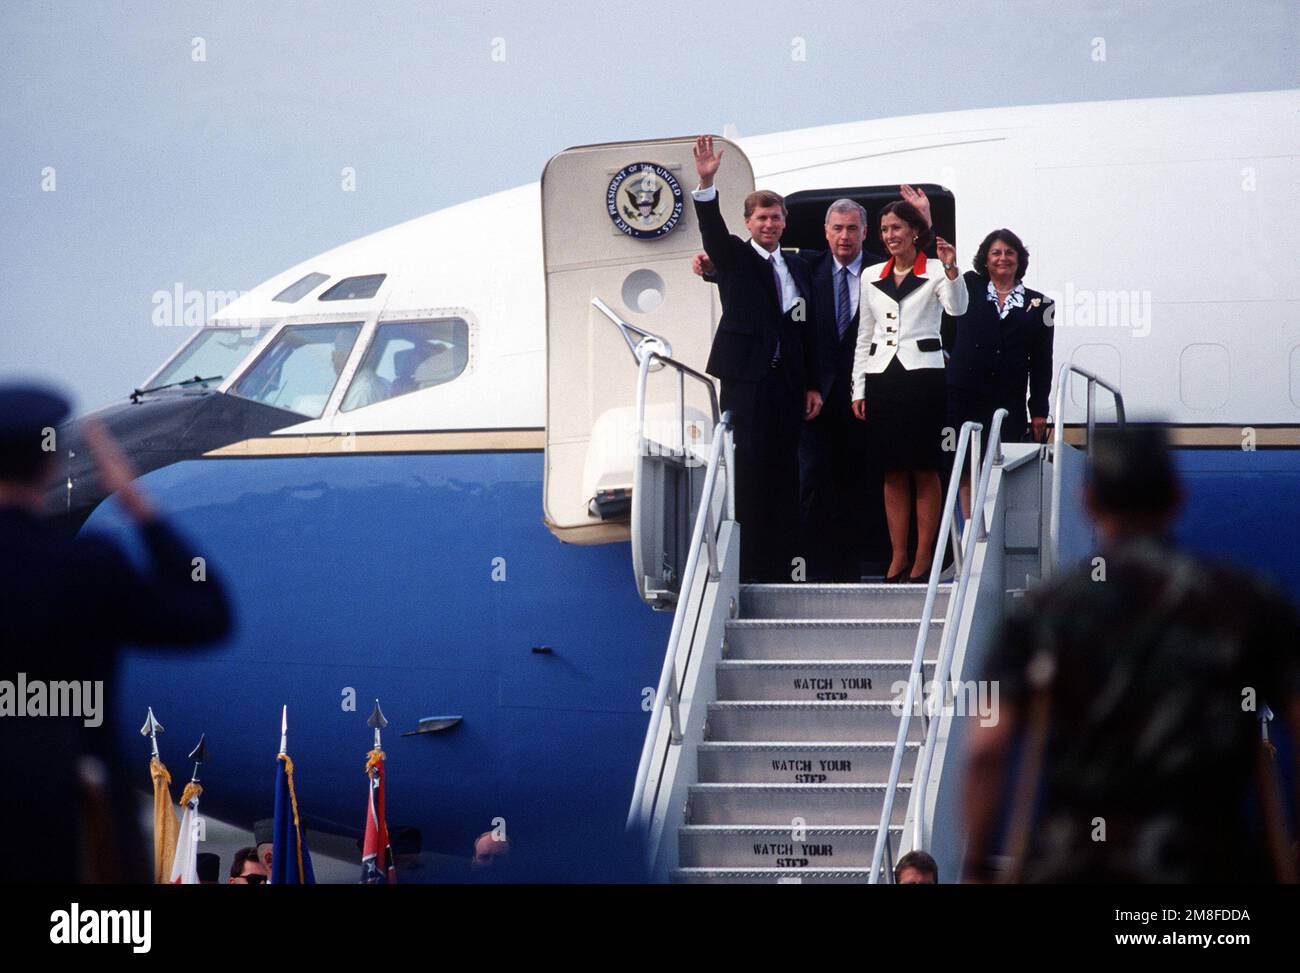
(706, 160)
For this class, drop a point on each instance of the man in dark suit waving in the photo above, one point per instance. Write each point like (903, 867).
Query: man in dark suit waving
(764, 354)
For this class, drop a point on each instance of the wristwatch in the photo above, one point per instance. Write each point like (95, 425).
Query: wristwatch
(949, 266)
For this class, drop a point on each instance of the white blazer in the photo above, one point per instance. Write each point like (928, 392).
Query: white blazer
(887, 327)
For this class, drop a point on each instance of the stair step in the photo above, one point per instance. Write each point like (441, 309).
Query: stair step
(806, 721)
(771, 876)
(827, 601)
(782, 805)
(758, 846)
(801, 763)
(856, 638)
(795, 679)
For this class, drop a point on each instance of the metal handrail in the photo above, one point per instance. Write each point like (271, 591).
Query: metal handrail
(648, 358)
(649, 340)
(1058, 440)
(948, 643)
(703, 535)
(947, 530)
(683, 372)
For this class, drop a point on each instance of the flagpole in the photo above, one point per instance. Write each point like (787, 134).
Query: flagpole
(376, 849)
(151, 729)
(378, 722)
(290, 846)
(199, 754)
(184, 862)
(166, 825)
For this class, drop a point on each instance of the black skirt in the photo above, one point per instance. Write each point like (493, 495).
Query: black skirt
(906, 413)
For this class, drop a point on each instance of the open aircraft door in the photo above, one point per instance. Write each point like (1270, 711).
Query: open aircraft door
(618, 235)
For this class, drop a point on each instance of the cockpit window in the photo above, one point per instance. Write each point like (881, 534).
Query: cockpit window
(406, 356)
(354, 288)
(214, 353)
(299, 369)
(300, 288)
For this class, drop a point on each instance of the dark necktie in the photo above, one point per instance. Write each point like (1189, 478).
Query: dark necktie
(843, 309)
(780, 302)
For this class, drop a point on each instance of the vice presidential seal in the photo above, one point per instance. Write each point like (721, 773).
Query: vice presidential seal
(644, 200)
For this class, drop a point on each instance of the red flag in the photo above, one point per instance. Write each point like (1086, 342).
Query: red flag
(376, 853)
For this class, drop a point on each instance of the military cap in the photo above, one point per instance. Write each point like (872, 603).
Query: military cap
(264, 831)
(209, 867)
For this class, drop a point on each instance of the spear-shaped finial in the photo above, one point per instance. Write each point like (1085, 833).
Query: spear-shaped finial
(151, 729)
(377, 722)
(284, 729)
(199, 755)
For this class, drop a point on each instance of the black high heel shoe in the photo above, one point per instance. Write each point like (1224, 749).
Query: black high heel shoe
(900, 577)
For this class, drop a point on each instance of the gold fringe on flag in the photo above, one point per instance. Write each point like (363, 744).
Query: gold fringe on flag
(192, 790)
(166, 825)
(297, 826)
(372, 758)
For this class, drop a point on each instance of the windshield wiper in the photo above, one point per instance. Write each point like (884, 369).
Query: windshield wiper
(135, 395)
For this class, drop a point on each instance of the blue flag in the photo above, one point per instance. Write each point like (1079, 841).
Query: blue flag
(290, 859)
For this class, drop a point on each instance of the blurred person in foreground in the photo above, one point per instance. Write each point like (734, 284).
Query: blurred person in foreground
(1136, 681)
(67, 606)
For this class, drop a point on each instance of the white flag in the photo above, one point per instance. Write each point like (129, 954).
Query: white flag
(185, 865)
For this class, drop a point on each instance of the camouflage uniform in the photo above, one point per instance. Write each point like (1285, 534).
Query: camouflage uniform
(1149, 726)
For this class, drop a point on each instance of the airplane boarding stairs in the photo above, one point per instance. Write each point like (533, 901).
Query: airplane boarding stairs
(792, 721)
(797, 747)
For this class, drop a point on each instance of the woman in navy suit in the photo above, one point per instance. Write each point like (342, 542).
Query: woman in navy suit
(898, 370)
(1002, 344)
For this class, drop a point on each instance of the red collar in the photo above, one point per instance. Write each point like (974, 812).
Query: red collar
(918, 267)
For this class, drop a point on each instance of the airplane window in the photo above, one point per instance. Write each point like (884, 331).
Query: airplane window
(354, 288)
(300, 368)
(300, 288)
(406, 356)
(214, 353)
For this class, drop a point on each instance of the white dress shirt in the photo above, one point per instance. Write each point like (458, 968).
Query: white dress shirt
(789, 289)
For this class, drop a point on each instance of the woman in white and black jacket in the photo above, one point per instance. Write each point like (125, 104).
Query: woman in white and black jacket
(898, 369)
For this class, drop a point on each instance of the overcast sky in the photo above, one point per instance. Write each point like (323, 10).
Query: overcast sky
(216, 173)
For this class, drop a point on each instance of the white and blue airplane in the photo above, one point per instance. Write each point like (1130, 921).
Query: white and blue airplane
(405, 455)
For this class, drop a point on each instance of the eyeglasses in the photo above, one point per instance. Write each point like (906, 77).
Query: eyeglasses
(253, 879)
